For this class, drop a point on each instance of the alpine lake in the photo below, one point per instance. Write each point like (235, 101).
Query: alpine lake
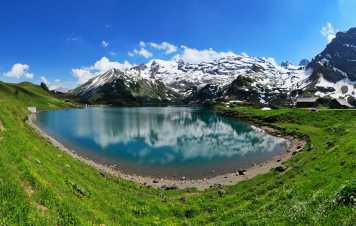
(166, 142)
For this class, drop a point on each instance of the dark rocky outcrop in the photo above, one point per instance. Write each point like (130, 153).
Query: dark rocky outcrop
(242, 89)
(338, 60)
(119, 90)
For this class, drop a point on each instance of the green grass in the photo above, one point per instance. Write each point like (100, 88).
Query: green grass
(39, 185)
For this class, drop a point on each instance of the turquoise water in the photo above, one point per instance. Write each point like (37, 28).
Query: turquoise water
(162, 141)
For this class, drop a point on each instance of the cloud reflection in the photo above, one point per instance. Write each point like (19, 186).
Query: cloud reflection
(184, 133)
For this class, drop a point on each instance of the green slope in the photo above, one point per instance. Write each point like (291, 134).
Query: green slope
(39, 185)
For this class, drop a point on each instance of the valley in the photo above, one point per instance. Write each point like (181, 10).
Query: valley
(42, 185)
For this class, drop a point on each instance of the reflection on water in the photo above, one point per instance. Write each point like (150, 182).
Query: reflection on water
(159, 136)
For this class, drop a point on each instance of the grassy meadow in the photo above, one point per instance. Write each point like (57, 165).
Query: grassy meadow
(40, 185)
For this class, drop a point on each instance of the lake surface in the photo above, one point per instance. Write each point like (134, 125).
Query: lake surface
(162, 141)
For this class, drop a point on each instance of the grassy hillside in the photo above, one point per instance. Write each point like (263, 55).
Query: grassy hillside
(39, 185)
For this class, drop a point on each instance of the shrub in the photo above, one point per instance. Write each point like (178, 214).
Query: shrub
(347, 194)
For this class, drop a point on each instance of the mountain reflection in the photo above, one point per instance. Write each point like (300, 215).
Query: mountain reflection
(183, 133)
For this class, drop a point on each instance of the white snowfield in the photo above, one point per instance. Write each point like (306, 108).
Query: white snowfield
(343, 88)
(178, 75)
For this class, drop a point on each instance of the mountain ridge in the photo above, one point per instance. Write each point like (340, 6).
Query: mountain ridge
(197, 83)
(259, 81)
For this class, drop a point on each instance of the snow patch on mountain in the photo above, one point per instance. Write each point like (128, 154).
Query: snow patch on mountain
(186, 79)
(339, 90)
(179, 75)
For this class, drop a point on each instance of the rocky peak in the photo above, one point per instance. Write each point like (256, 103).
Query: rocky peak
(139, 67)
(154, 69)
(304, 62)
(338, 60)
(200, 82)
(285, 64)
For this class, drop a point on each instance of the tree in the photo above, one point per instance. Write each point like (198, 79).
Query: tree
(44, 86)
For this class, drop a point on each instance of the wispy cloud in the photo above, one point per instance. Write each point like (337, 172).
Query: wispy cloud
(113, 53)
(192, 55)
(145, 49)
(104, 44)
(56, 84)
(167, 47)
(44, 80)
(141, 51)
(328, 32)
(104, 64)
(73, 38)
(82, 75)
(142, 44)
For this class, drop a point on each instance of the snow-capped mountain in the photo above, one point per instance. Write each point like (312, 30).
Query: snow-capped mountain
(331, 74)
(117, 87)
(236, 77)
(334, 70)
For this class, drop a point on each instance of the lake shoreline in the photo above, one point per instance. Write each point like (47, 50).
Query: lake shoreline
(296, 145)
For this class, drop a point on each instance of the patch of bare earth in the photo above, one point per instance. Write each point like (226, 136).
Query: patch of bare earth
(29, 191)
(1, 129)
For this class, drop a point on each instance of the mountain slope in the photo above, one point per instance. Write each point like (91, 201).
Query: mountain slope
(39, 185)
(334, 69)
(260, 81)
(177, 81)
(116, 87)
(30, 95)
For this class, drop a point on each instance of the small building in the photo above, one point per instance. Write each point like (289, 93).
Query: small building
(307, 102)
(33, 110)
(313, 102)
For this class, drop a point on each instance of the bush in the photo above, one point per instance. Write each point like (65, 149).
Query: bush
(347, 194)
(44, 86)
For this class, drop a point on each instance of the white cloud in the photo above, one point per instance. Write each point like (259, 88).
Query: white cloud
(168, 48)
(104, 44)
(104, 64)
(18, 70)
(44, 80)
(328, 32)
(99, 67)
(142, 44)
(191, 55)
(141, 52)
(113, 53)
(55, 85)
(29, 76)
(272, 61)
(82, 75)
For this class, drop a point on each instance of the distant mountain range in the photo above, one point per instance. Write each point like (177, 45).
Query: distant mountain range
(261, 81)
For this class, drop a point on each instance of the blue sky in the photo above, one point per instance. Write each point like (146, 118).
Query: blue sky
(60, 41)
